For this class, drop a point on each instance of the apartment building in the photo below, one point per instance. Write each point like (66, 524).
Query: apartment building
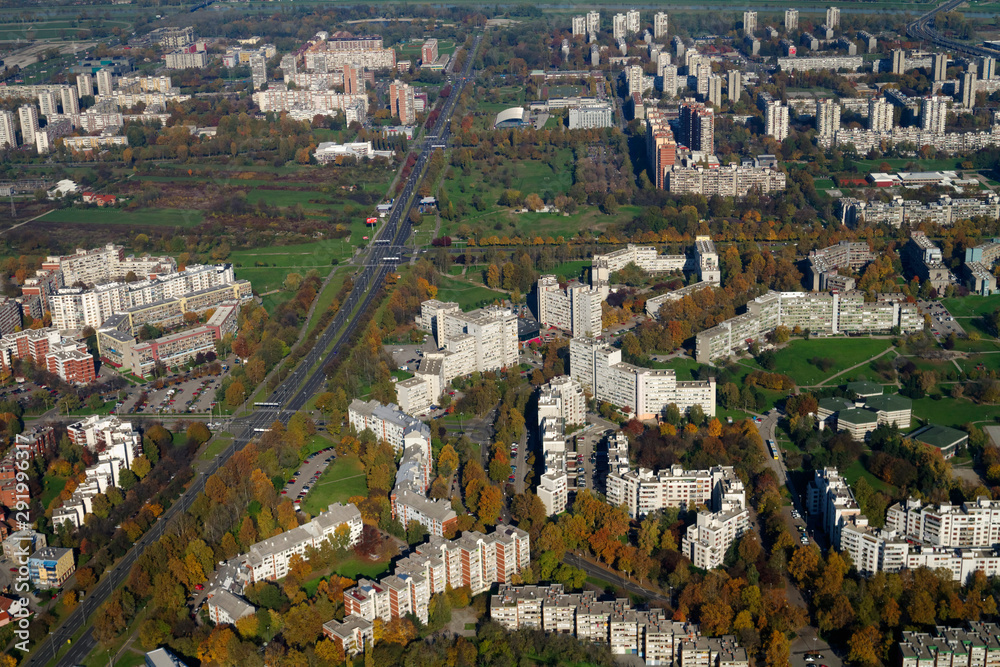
(26, 446)
(827, 117)
(924, 259)
(401, 102)
(661, 25)
(643, 392)
(697, 127)
(19, 544)
(107, 263)
(776, 119)
(830, 313)
(826, 262)
(707, 540)
(10, 315)
(791, 20)
(945, 211)
(172, 37)
(268, 560)
(643, 492)
(561, 402)
(278, 97)
(951, 142)
(648, 635)
(8, 136)
(728, 181)
(429, 52)
(65, 357)
(474, 560)
(817, 63)
(123, 351)
(563, 398)
(704, 261)
(196, 288)
(49, 567)
(117, 445)
(661, 149)
(477, 341)
(579, 26)
(412, 437)
(588, 117)
(978, 265)
(93, 143)
(352, 634)
(227, 608)
(575, 308)
(978, 645)
(958, 539)
(28, 117)
(183, 59)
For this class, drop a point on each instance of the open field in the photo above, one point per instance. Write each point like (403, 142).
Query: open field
(150, 217)
(345, 477)
(972, 306)
(465, 294)
(857, 470)
(954, 412)
(792, 360)
(316, 255)
(685, 368)
(51, 29)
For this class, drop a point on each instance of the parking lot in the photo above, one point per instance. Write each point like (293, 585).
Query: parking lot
(308, 473)
(195, 396)
(942, 323)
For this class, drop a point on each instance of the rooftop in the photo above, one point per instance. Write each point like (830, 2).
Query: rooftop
(938, 436)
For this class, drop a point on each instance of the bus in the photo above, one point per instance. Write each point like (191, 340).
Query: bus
(773, 449)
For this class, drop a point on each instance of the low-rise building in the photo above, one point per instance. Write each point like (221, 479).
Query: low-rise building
(227, 608)
(352, 634)
(729, 181)
(812, 64)
(945, 440)
(49, 567)
(976, 646)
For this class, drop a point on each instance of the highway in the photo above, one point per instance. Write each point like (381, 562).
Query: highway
(291, 395)
(922, 29)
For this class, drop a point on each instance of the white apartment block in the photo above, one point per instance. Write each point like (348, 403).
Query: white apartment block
(28, 116)
(105, 82)
(794, 64)
(827, 313)
(269, 560)
(661, 25)
(880, 115)
(8, 136)
(707, 540)
(117, 445)
(825, 262)
(575, 308)
(704, 261)
(749, 22)
(477, 341)
(563, 398)
(76, 307)
(106, 263)
(945, 211)
(643, 492)
(412, 437)
(553, 491)
(729, 181)
(776, 120)
(186, 60)
(593, 22)
(579, 26)
(648, 635)
(279, 98)
(474, 560)
(791, 19)
(93, 143)
(958, 539)
(976, 646)
(827, 117)
(644, 392)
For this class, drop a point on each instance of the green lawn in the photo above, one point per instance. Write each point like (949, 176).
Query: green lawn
(952, 412)
(972, 306)
(572, 269)
(684, 367)
(356, 567)
(344, 478)
(856, 471)
(465, 294)
(316, 255)
(150, 217)
(215, 447)
(51, 487)
(846, 352)
(899, 164)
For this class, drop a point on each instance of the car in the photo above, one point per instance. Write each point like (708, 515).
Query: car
(199, 587)
(13, 569)
(809, 658)
(284, 491)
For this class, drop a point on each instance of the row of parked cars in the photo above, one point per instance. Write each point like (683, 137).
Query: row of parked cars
(330, 456)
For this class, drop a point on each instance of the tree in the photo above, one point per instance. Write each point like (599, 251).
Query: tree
(141, 467)
(303, 624)
(235, 394)
(649, 535)
(198, 432)
(778, 650)
(865, 646)
(490, 504)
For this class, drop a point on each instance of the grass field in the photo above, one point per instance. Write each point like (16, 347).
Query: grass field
(51, 487)
(953, 412)
(354, 568)
(856, 471)
(221, 441)
(316, 255)
(345, 477)
(846, 352)
(573, 269)
(151, 217)
(51, 29)
(465, 294)
(685, 368)
(972, 306)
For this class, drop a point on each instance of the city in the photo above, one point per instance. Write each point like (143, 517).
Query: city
(536, 335)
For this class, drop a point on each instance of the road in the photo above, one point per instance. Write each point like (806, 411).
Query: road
(630, 585)
(922, 29)
(290, 396)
